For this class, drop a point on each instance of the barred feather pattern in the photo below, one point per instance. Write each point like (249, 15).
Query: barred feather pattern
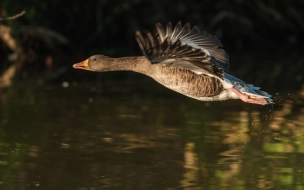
(187, 82)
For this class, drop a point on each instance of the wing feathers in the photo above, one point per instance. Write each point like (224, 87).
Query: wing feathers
(151, 40)
(141, 42)
(168, 30)
(161, 32)
(184, 43)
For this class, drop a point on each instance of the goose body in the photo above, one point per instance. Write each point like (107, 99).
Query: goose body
(185, 60)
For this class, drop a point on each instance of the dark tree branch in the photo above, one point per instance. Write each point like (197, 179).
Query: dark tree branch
(13, 17)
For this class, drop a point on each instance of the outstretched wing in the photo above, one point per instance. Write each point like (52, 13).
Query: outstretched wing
(185, 48)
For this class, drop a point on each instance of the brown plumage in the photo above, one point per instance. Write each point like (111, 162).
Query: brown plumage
(186, 82)
(185, 60)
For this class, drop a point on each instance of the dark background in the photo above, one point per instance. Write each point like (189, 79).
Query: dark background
(263, 38)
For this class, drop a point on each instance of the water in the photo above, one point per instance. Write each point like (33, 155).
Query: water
(139, 135)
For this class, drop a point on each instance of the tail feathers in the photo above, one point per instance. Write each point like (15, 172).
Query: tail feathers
(256, 92)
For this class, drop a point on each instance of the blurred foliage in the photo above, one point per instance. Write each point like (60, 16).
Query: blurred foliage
(110, 24)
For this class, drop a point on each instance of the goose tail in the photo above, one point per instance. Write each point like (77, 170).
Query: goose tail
(259, 93)
(246, 92)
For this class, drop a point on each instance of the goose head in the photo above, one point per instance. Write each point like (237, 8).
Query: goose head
(95, 63)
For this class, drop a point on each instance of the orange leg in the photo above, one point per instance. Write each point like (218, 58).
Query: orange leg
(248, 98)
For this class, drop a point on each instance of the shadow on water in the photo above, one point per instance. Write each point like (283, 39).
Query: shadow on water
(84, 137)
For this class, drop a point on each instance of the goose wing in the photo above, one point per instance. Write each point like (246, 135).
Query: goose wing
(184, 47)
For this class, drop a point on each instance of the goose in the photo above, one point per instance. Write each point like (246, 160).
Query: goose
(183, 59)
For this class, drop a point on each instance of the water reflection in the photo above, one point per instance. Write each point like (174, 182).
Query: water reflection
(191, 167)
(82, 139)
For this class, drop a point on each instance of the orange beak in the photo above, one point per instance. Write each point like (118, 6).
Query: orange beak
(82, 65)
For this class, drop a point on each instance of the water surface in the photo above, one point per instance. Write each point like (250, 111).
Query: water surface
(130, 135)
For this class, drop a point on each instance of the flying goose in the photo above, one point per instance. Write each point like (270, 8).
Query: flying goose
(183, 59)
